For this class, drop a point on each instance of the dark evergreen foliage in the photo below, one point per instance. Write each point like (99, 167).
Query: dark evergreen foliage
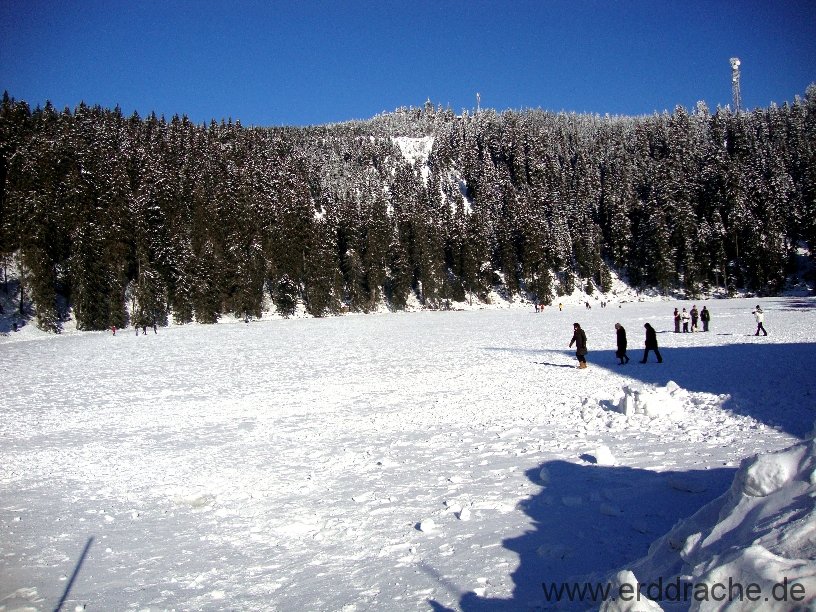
(133, 220)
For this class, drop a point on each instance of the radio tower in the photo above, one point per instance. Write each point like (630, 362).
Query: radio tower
(735, 84)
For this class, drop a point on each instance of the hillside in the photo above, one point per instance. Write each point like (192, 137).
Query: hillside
(114, 220)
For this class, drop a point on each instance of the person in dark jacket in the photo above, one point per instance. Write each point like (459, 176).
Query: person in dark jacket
(676, 321)
(651, 344)
(621, 352)
(705, 317)
(580, 341)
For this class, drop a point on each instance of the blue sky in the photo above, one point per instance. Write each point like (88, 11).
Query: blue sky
(306, 62)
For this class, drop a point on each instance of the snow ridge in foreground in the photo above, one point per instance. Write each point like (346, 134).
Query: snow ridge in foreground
(762, 532)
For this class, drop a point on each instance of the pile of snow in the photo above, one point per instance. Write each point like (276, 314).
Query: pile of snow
(602, 456)
(755, 543)
(654, 402)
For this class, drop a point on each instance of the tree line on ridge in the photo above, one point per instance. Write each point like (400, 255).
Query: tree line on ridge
(121, 220)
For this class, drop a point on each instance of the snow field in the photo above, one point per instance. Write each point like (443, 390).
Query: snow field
(399, 461)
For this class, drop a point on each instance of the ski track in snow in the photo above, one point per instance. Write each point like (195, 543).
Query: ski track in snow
(373, 462)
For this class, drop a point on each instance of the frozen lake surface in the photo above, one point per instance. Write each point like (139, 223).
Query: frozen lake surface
(377, 462)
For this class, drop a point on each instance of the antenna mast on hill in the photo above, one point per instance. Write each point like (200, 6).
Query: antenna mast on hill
(478, 100)
(735, 84)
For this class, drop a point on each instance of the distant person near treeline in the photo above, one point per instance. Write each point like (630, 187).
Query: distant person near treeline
(760, 320)
(705, 317)
(695, 315)
(685, 318)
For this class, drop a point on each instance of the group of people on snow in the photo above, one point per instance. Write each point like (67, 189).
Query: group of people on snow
(683, 318)
(579, 338)
(143, 327)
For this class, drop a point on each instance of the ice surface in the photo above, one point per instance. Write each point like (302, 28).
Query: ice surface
(288, 464)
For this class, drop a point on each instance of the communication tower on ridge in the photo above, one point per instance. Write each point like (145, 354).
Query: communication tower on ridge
(735, 84)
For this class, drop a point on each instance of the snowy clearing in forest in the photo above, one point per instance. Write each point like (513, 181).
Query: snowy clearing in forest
(429, 460)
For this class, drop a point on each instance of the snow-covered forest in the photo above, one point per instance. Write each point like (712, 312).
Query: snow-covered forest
(116, 220)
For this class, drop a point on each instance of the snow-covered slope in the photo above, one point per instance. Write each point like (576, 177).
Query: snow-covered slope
(415, 149)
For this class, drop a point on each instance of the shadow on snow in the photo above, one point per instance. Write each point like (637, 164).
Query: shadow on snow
(772, 383)
(591, 520)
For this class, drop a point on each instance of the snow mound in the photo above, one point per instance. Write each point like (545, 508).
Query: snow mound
(654, 402)
(761, 534)
(766, 474)
(624, 603)
(603, 455)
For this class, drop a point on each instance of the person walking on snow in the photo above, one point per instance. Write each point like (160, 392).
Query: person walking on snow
(621, 353)
(651, 344)
(676, 321)
(685, 317)
(760, 319)
(705, 317)
(580, 341)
